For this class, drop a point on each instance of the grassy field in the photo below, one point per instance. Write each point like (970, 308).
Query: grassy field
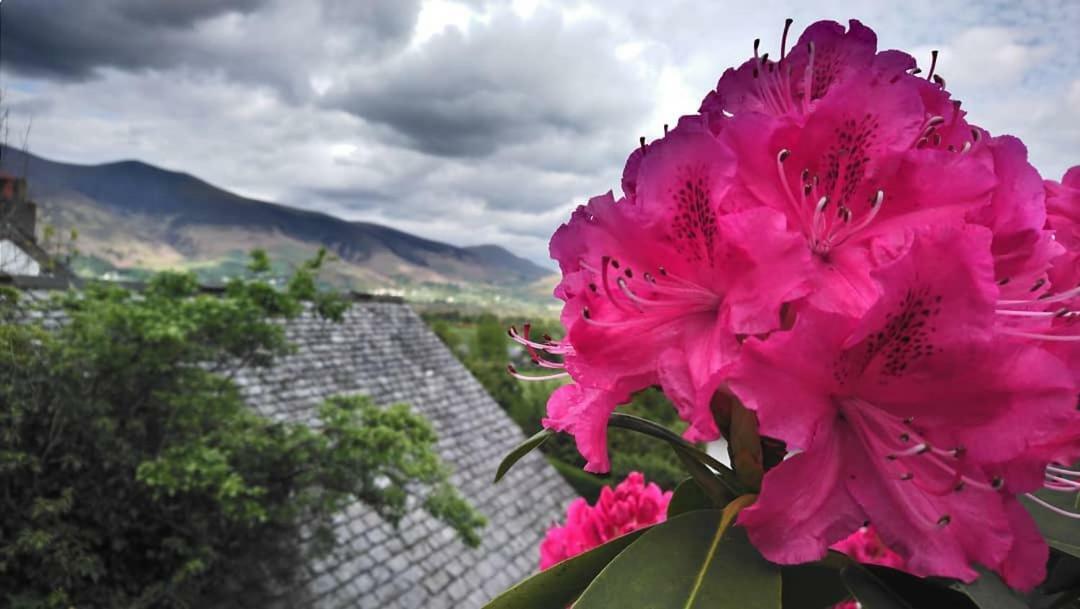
(472, 299)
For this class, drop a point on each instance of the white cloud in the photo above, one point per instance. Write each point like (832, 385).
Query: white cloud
(436, 16)
(989, 57)
(548, 97)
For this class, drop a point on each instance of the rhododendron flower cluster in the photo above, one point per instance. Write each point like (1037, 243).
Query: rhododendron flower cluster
(889, 287)
(632, 505)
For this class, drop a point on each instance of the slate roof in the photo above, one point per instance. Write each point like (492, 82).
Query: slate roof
(384, 350)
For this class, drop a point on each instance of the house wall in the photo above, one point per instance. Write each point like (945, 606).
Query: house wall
(14, 261)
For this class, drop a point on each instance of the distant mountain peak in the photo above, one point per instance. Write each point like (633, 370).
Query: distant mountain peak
(132, 213)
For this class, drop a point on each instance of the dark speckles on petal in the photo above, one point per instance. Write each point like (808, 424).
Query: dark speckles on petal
(693, 228)
(909, 332)
(906, 338)
(826, 66)
(845, 163)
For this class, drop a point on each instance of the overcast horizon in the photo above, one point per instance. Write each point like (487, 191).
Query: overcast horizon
(467, 122)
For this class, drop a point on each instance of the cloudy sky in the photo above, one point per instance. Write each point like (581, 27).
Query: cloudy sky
(467, 121)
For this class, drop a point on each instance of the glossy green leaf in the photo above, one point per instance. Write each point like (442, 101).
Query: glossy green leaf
(688, 496)
(558, 586)
(1067, 548)
(647, 427)
(710, 483)
(871, 592)
(688, 562)
(744, 444)
(812, 586)
(521, 450)
(1063, 575)
(1061, 532)
(989, 592)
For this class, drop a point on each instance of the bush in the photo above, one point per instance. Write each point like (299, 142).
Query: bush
(134, 475)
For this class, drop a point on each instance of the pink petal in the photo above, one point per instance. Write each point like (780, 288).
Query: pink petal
(691, 374)
(936, 534)
(783, 379)
(794, 522)
(774, 265)
(584, 413)
(1025, 566)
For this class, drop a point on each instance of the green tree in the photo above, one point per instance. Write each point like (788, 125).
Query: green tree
(489, 340)
(132, 474)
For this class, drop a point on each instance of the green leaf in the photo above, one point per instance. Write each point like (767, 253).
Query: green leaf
(692, 561)
(1061, 532)
(871, 592)
(711, 484)
(745, 447)
(812, 586)
(1066, 548)
(558, 586)
(644, 426)
(521, 450)
(989, 592)
(1063, 575)
(920, 592)
(688, 496)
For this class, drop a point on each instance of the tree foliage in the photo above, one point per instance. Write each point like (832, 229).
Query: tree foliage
(133, 473)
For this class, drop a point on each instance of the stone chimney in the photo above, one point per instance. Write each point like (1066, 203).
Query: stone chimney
(15, 208)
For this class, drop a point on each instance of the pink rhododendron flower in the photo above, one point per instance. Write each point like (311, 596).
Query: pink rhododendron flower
(825, 58)
(1043, 307)
(632, 505)
(865, 546)
(1047, 313)
(890, 288)
(1063, 217)
(897, 416)
(1023, 247)
(576, 536)
(861, 162)
(802, 195)
(583, 412)
(659, 285)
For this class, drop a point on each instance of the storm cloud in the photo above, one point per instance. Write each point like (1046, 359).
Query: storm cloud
(468, 95)
(70, 40)
(260, 42)
(476, 121)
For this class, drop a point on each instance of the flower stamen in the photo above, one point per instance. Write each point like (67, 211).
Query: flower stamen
(549, 346)
(1066, 295)
(783, 39)
(522, 377)
(1058, 338)
(1053, 508)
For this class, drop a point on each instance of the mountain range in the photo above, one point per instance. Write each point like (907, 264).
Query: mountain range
(132, 216)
